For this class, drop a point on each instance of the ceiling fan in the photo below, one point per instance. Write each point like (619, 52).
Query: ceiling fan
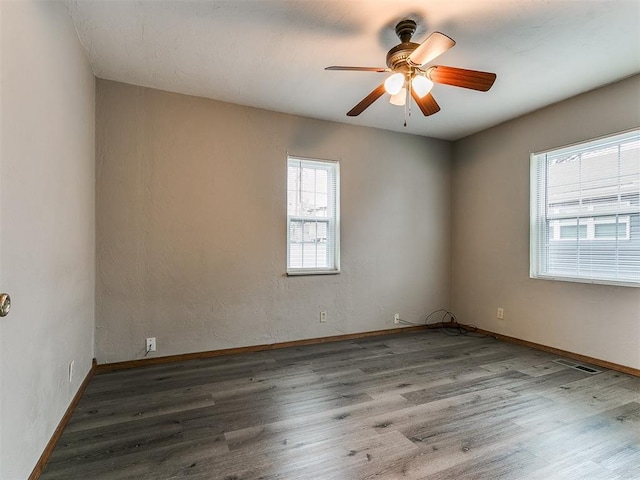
(412, 78)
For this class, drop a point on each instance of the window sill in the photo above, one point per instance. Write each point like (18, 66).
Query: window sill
(592, 281)
(295, 273)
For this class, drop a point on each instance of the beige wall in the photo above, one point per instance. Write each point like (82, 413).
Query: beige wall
(191, 226)
(47, 225)
(490, 255)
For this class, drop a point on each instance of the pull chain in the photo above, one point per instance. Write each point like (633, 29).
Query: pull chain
(407, 101)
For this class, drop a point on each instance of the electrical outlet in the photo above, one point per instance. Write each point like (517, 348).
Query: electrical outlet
(71, 364)
(151, 344)
(323, 317)
(500, 314)
(396, 318)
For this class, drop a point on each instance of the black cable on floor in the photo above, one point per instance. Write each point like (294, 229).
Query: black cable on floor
(451, 327)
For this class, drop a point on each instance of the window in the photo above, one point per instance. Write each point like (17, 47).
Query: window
(313, 213)
(585, 212)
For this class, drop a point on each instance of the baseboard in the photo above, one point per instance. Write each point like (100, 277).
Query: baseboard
(44, 458)
(564, 353)
(109, 367)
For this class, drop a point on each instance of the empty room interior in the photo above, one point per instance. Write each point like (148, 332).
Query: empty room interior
(286, 239)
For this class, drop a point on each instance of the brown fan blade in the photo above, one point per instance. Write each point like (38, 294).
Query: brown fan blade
(435, 45)
(459, 77)
(358, 69)
(368, 100)
(427, 104)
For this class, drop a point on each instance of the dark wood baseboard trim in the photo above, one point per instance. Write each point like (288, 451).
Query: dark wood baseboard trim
(44, 458)
(564, 353)
(109, 367)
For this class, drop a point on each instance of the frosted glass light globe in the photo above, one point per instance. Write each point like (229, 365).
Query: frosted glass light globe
(421, 85)
(399, 98)
(394, 83)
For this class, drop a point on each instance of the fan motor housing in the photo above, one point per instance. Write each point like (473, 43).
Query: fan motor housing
(397, 56)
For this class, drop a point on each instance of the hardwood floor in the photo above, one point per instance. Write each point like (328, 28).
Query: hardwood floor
(418, 406)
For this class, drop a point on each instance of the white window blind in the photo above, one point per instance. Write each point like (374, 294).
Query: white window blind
(313, 212)
(585, 211)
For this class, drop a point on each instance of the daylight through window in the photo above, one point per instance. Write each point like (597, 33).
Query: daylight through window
(585, 211)
(312, 216)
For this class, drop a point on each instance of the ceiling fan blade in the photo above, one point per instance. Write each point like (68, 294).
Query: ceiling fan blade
(366, 101)
(459, 77)
(427, 104)
(435, 45)
(358, 69)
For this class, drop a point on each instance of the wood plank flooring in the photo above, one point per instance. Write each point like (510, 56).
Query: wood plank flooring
(421, 405)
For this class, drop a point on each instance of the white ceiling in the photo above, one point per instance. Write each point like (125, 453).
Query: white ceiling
(271, 54)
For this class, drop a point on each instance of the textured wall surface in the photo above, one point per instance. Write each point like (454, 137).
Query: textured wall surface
(490, 253)
(46, 226)
(191, 226)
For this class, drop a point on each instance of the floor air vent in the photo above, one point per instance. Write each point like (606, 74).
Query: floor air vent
(577, 366)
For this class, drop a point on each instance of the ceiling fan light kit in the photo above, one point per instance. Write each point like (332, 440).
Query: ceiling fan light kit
(421, 85)
(394, 83)
(412, 77)
(399, 98)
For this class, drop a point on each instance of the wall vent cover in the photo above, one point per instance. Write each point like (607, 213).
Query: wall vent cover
(577, 366)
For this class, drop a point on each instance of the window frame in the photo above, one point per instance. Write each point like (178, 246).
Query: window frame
(546, 237)
(333, 222)
(590, 224)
